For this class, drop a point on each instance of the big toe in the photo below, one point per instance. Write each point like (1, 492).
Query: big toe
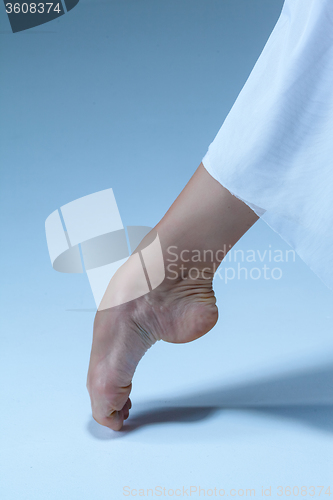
(110, 405)
(116, 419)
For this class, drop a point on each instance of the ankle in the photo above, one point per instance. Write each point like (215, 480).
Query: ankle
(184, 264)
(187, 258)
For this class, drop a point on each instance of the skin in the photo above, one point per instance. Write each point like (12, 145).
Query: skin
(206, 218)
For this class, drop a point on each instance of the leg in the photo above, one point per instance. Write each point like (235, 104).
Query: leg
(206, 218)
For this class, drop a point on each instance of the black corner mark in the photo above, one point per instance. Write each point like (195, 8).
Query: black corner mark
(23, 15)
(70, 4)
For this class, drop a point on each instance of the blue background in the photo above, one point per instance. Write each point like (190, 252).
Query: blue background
(129, 94)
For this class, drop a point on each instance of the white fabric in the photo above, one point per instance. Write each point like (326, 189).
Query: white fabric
(275, 148)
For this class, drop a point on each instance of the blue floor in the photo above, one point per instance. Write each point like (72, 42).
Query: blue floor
(129, 95)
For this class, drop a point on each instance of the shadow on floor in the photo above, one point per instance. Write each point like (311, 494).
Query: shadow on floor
(303, 396)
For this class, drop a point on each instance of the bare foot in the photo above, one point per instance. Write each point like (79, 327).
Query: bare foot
(205, 218)
(177, 311)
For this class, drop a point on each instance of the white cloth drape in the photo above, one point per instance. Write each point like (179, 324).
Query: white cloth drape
(275, 148)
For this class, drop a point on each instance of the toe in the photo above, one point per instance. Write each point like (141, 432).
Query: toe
(126, 409)
(110, 404)
(114, 421)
